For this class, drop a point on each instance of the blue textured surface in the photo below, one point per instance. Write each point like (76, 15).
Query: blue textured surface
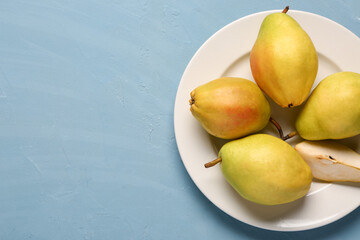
(87, 147)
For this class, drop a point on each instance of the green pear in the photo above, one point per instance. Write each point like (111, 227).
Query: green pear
(330, 161)
(283, 60)
(264, 169)
(230, 108)
(332, 110)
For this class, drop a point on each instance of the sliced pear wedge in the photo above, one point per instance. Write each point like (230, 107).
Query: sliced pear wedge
(330, 161)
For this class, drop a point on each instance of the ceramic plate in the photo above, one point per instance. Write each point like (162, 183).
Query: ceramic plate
(226, 53)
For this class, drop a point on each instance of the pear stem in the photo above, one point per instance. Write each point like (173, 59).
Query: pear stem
(285, 9)
(290, 135)
(278, 127)
(213, 163)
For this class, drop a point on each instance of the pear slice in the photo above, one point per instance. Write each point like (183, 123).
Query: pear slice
(330, 161)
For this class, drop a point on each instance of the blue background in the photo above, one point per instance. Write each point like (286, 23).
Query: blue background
(87, 145)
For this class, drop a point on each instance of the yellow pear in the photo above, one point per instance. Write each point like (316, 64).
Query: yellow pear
(264, 169)
(230, 108)
(283, 60)
(332, 110)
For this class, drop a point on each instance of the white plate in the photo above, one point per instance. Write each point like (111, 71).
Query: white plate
(226, 53)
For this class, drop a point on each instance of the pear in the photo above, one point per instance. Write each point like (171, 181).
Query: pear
(264, 169)
(330, 161)
(283, 60)
(332, 110)
(230, 108)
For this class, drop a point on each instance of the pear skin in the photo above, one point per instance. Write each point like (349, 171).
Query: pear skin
(265, 169)
(230, 108)
(332, 110)
(283, 60)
